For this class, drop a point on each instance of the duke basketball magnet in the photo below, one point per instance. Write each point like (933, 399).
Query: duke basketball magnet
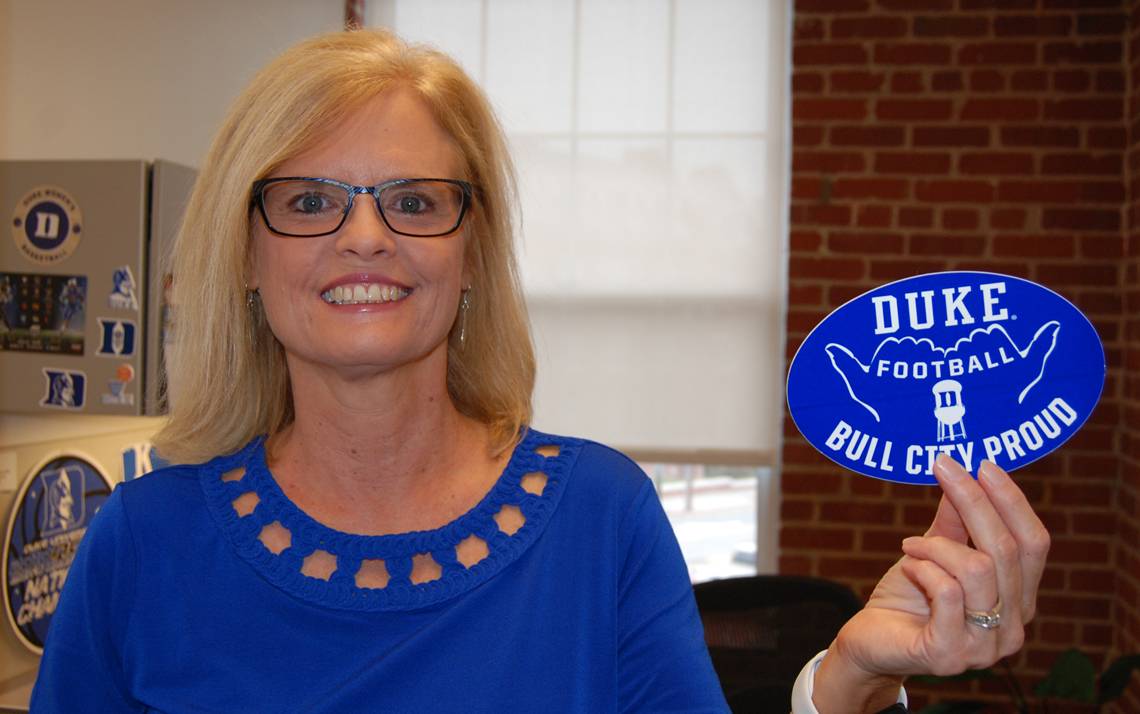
(47, 224)
(970, 364)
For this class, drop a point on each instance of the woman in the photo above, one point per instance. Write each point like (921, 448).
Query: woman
(375, 526)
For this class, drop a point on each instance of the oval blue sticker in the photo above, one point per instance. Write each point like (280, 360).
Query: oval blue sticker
(974, 365)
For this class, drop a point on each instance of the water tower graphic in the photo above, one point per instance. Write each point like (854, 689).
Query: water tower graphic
(949, 410)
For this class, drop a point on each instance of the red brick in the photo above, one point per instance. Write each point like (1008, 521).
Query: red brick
(828, 109)
(1082, 274)
(1046, 136)
(830, 6)
(1064, 550)
(998, 53)
(1082, 5)
(808, 28)
(853, 567)
(850, 512)
(986, 80)
(796, 510)
(826, 268)
(1082, 164)
(815, 214)
(805, 295)
(1096, 303)
(1071, 80)
(1007, 218)
(916, 5)
(951, 136)
(816, 538)
(1093, 524)
(957, 219)
(796, 565)
(1085, 110)
(880, 188)
(856, 81)
(909, 110)
(995, 164)
(867, 135)
(1083, 53)
(946, 244)
(1029, 80)
(954, 191)
(1003, 5)
(1033, 246)
(802, 320)
(1032, 25)
(912, 54)
(1108, 24)
(896, 269)
(1089, 608)
(807, 83)
(876, 26)
(864, 243)
(811, 481)
(911, 163)
(1080, 219)
(907, 83)
(1109, 81)
(838, 295)
(1005, 109)
(1102, 247)
(807, 135)
(873, 216)
(807, 187)
(946, 81)
(826, 162)
(1039, 191)
(1107, 137)
(916, 217)
(951, 26)
(829, 54)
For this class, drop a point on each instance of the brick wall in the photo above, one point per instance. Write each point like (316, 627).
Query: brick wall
(976, 134)
(1127, 616)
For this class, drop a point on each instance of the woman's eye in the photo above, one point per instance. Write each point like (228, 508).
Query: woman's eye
(411, 204)
(312, 203)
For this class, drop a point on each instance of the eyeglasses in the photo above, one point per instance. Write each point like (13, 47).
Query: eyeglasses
(305, 207)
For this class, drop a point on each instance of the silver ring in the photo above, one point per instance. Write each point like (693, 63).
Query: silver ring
(986, 619)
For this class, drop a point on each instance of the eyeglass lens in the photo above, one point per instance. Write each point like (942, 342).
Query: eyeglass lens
(416, 208)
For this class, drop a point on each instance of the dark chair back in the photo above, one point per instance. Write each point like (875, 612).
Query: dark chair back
(761, 631)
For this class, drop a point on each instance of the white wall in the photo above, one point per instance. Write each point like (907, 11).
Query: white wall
(136, 78)
(131, 79)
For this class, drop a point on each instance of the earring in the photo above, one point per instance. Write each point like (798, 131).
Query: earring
(464, 303)
(251, 299)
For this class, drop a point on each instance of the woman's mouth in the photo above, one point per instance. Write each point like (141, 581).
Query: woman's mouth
(364, 294)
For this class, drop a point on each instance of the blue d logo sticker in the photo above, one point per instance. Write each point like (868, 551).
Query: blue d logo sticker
(974, 365)
(117, 338)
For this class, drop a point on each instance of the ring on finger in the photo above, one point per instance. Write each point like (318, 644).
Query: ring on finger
(985, 619)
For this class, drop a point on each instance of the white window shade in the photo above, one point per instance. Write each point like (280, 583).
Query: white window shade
(648, 137)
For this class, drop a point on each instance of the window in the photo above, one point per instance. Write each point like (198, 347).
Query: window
(649, 137)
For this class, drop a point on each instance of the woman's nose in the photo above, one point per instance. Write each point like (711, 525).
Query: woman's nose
(364, 231)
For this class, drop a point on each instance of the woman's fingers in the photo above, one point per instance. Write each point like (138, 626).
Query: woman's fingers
(948, 647)
(987, 528)
(982, 589)
(1031, 535)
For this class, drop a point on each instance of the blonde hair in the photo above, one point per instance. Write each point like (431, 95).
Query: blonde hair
(227, 374)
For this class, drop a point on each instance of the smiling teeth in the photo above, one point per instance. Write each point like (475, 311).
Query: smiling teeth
(363, 293)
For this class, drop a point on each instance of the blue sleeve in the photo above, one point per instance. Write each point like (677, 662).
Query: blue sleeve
(82, 667)
(663, 662)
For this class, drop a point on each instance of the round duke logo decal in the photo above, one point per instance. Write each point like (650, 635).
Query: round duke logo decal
(973, 365)
(46, 225)
(49, 517)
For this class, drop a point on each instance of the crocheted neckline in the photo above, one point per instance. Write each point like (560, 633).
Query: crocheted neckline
(248, 505)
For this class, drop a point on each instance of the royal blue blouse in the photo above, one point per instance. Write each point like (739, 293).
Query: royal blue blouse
(175, 604)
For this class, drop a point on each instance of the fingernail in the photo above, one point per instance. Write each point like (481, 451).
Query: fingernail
(949, 468)
(989, 472)
(910, 542)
